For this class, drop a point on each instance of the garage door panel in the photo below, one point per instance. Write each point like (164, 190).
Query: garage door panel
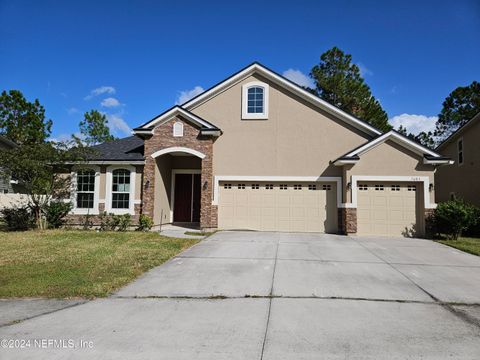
(285, 207)
(388, 212)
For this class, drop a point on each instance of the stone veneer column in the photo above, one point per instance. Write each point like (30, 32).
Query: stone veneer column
(208, 212)
(148, 186)
(347, 220)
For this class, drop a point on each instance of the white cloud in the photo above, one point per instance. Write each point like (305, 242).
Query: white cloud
(414, 123)
(110, 102)
(186, 95)
(364, 71)
(64, 137)
(299, 78)
(72, 110)
(118, 125)
(100, 90)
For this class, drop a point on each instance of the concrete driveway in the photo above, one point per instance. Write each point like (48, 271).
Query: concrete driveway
(249, 295)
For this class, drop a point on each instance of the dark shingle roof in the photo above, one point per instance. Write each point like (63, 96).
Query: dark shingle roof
(129, 148)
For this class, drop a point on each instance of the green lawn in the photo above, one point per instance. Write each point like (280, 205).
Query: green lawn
(470, 245)
(64, 264)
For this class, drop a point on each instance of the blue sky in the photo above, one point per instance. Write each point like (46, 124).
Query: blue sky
(139, 57)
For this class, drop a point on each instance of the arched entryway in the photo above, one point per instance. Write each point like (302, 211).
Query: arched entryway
(178, 185)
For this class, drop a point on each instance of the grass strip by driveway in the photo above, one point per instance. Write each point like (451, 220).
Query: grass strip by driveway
(469, 245)
(67, 263)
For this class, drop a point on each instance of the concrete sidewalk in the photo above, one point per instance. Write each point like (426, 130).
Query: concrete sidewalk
(248, 295)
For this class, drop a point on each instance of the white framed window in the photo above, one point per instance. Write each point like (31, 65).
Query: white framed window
(241, 186)
(120, 189)
(283, 186)
(255, 186)
(327, 187)
(178, 129)
(460, 151)
(312, 187)
(363, 187)
(297, 187)
(411, 188)
(395, 187)
(85, 190)
(255, 100)
(269, 186)
(227, 186)
(378, 187)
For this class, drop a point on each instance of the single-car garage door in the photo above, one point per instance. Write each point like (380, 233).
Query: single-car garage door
(386, 208)
(306, 207)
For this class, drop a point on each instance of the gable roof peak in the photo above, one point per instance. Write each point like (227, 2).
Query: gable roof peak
(257, 67)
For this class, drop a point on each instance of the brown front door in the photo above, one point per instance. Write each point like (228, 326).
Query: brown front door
(187, 198)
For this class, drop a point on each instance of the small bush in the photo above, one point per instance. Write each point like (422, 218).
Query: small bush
(104, 221)
(124, 221)
(474, 229)
(55, 213)
(18, 218)
(112, 222)
(145, 223)
(453, 217)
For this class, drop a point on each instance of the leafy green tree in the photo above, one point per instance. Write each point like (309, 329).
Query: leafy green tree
(94, 128)
(461, 105)
(44, 176)
(338, 81)
(22, 121)
(424, 138)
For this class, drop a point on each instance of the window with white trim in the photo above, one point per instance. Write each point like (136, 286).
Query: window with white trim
(283, 186)
(85, 193)
(378, 187)
(241, 186)
(326, 187)
(255, 186)
(269, 186)
(411, 188)
(120, 189)
(227, 186)
(363, 187)
(395, 188)
(312, 187)
(297, 187)
(178, 129)
(460, 151)
(255, 100)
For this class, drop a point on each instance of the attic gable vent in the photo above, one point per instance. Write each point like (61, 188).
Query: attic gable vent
(178, 129)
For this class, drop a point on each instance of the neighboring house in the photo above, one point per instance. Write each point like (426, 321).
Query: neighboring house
(6, 184)
(11, 193)
(461, 180)
(258, 152)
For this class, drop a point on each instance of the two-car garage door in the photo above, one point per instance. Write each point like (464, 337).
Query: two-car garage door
(304, 207)
(387, 208)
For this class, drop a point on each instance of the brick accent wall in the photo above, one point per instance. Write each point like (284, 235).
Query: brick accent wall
(347, 221)
(162, 138)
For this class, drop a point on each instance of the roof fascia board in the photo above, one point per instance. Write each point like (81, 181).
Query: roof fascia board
(280, 80)
(176, 110)
(108, 162)
(399, 139)
(438, 162)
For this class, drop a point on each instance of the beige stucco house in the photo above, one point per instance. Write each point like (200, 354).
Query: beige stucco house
(461, 180)
(258, 152)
